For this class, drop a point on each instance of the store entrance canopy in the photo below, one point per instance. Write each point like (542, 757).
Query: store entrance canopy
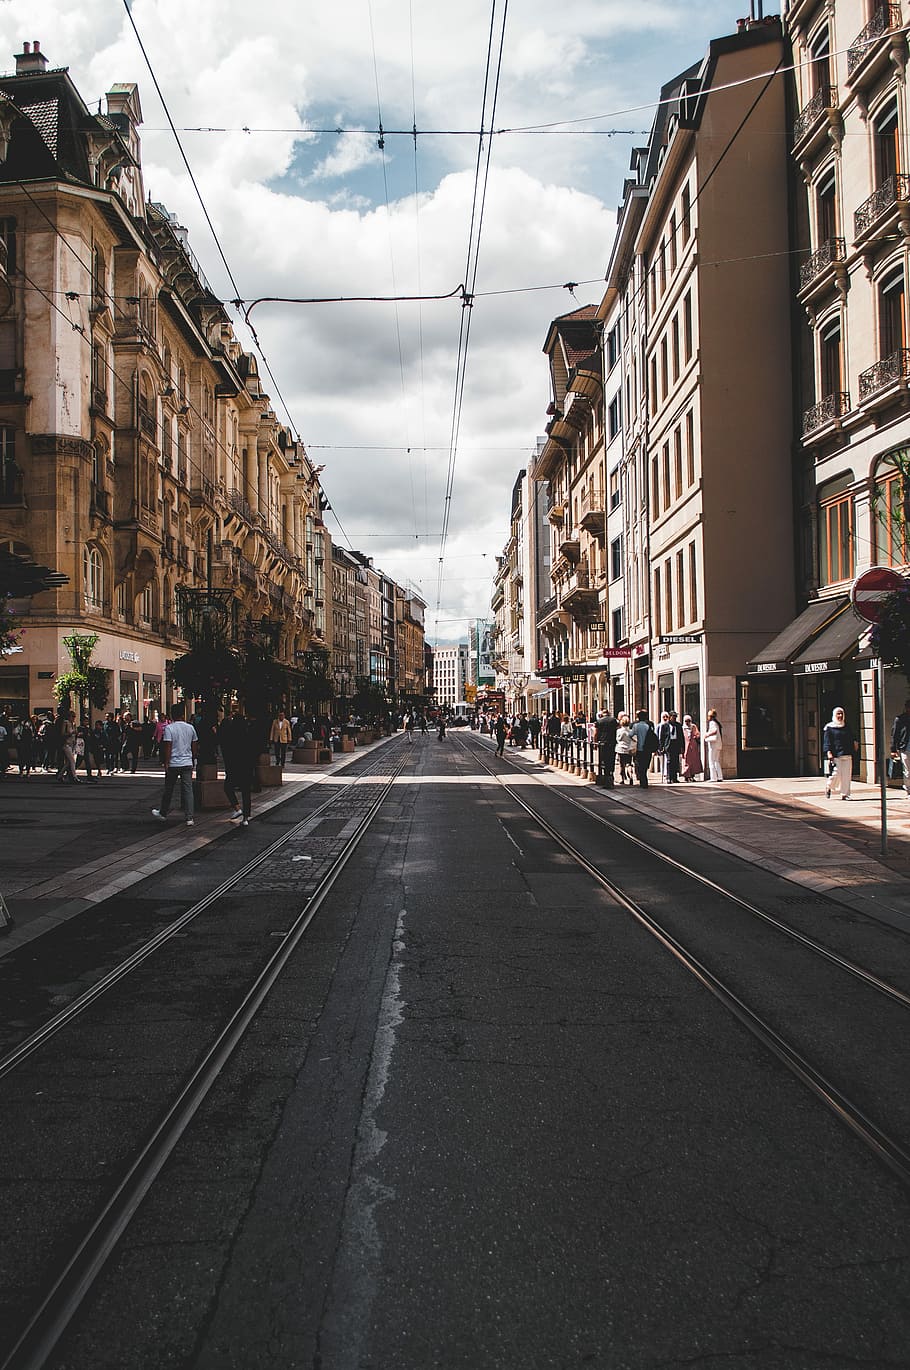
(838, 642)
(775, 659)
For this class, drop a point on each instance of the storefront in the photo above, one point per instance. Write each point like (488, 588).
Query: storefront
(767, 729)
(827, 675)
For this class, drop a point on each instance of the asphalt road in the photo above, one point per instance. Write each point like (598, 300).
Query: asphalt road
(486, 1121)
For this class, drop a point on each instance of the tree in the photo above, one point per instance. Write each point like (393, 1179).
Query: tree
(88, 683)
(890, 637)
(317, 688)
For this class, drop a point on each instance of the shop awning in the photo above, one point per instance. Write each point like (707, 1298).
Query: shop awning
(776, 658)
(837, 642)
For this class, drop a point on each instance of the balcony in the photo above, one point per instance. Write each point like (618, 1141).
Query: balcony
(147, 425)
(578, 596)
(817, 118)
(99, 399)
(247, 572)
(883, 209)
(826, 414)
(100, 502)
(240, 505)
(556, 513)
(880, 42)
(202, 491)
(823, 268)
(183, 555)
(886, 378)
(169, 546)
(570, 547)
(592, 512)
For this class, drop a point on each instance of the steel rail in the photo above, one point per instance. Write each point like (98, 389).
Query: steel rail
(888, 1150)
(842, 962)
(37, 1039)
(48, 1324)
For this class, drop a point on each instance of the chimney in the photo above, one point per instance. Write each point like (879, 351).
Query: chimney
(30, 59)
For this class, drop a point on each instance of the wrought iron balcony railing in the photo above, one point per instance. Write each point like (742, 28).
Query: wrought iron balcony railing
(826, 411)
(242, 506)
(890, 193)
(834, 250)
(885, 19)
(884, 373)
(824, 98)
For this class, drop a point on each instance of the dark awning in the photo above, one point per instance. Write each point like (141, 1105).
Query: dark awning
(775, 659)
(837, 642)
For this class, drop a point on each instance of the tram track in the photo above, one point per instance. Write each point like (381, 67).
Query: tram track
(892, 1151)
(77, 1272)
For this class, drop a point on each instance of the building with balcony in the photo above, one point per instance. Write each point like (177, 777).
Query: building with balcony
(411, 684)
(139, 454)
(852, 195)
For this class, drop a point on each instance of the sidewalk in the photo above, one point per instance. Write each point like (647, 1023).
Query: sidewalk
(785, 825)
(64, 848)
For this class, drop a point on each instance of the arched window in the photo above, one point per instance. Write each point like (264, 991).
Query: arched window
(147, 604)
(820, 62)
(93, 578)
(891, 312)
(891, 509)
(887, 145)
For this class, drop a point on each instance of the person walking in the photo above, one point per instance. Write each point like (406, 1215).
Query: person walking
(606, 729)
(408, 722)
(24, 734)
(625, 749)
(838, 747)
(236, 738)
(900, 743)
(280, 736)
(714, 745)
(691, 757)
(671, 741)
(534, 730)
(179, 749)
(645, 739)
(441, 730)
(66, 773)
(499, 729)
(132, 743)
(96, 748)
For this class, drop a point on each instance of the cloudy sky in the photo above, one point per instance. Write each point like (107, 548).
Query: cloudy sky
(302, 210)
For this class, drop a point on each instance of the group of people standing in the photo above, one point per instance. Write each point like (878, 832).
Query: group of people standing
(635, 744)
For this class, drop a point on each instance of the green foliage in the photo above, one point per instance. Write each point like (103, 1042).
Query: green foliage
(84, 681)
(317, 687)
(205, 672)
(890, 637)
(10, 631)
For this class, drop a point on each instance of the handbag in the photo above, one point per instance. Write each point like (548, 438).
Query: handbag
(895, 768)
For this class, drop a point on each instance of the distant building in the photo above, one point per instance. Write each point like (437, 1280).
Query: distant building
(451, 672)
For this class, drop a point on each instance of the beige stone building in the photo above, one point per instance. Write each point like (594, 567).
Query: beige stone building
(140, 454)
(850, 149)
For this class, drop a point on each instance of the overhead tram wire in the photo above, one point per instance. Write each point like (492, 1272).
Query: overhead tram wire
(422, 381)
(471, 268)
(216, 239)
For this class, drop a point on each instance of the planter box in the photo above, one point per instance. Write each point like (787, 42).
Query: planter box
(306, 754)
(209, 794)
(348, 744)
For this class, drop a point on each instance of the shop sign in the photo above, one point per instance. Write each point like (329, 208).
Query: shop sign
(769, 668)
(554, 682)
(598, 626)
(130, 656)
(673, 639)
(45, 675)
(817, 668)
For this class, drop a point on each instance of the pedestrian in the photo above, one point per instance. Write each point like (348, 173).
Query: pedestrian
(606, 728)
(280, 736)
(237, 740)
(534, 730)
(408, 722)
(113, 741)
(900, 743)
(441, 729)
(24, 734)
(671, 741)
(179, 749)
(839, 747)
(83, 752)
(4, 745)
(424, 730)
(691, 757)
(645, 739)
(714, 745)
(499, 728)
(96, 747)
(132, 742)
(625, 749)
(66, 773)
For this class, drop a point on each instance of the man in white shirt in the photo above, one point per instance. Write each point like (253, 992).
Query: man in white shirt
(179, 747)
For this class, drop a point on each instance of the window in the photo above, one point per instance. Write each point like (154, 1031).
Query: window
(657, 600)
(673, 241)
(891, 510)
(653, 405)
(617, 627)
(663, 368)
(887, 147)
(891, 311)
(615, 495)
(831, 360)
(666, 474)
(835, 539)
(687, 326)
(612, 347)
(820, 63)
(826, 209)
(686, 213)
(690, 447)
(674, 352)
(680, 589)
(655, 485)
(614, 417)
(677, 463)
(616, 558)
(92, 578)
(146, 605)
(8, 243)
(668, 597)
(9, 470)
(99, 280)
(693, 585)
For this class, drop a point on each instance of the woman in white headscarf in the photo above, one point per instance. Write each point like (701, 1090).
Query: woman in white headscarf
(838, 748)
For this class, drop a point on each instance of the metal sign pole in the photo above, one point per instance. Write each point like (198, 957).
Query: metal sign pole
(882, 751)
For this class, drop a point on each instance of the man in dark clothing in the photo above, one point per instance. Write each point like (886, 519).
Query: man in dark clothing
(240, 744)
(671, 740)
(500, 731)
(645, 745)
(900, 742)
(534, 730)
(605, 728)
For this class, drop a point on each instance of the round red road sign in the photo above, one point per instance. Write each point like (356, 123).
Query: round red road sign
(872, 588)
